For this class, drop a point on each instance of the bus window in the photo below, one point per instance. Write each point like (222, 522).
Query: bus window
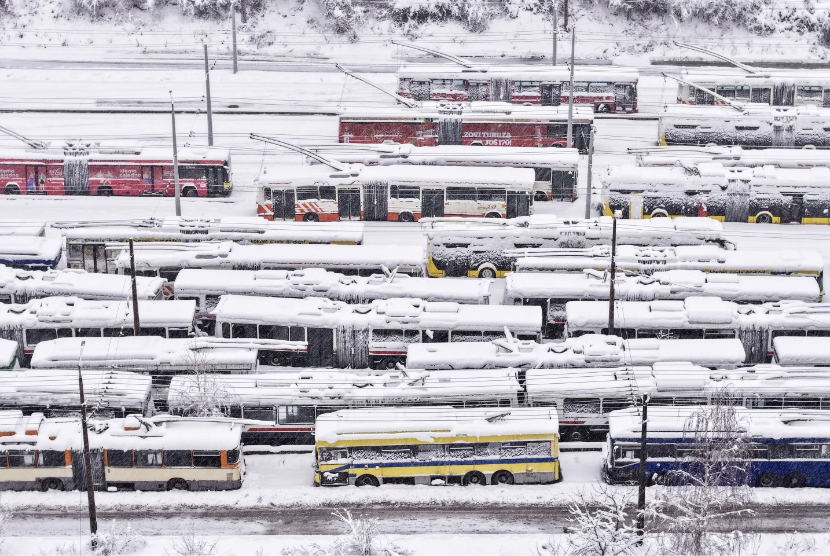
(661, 450)
(21, 458)
(430, 452)
(328, 192)
(266, 194)
(613, 404)
(177, 332)
(191, 173)
(226, 330)
(742, 92)
(466, 336)
(177, 458)
(169, 274)
(461, 451)
(119, 458)
(581, 405)
(689, 334)
(87, 332)
(296, 334)
(117, 332)
(759, 451)
(152, 331)
(488, 194)
(148, 458)
(64, 332)
(404, 192)
(6, 298)
(807, 451)
(306, 193)
(243, 330)
(296, 414)
(726, 91)
(269, 415)
(147, 273)
(804, 403)
(273, 332)
(600, 87)
(461, 194)
(809, 93)
(543, 174)
(395, 453)
(211, 301)
(714, 334)
(233, 456)
(435, 336)
(776, 333)
(819, 333)
(36, 335)
(51, 458)
(579, 86)
(333, 454)
(538, 448)
(513, 449)
(624, 333)
(207, 458)
(780, 451)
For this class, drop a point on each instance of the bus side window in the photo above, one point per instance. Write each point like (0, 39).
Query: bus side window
(435, 336)
(169, 274)
(177, 333)
(261, 414)
(177, 458)
(296, 414)
(207, 458)
(296, 333)
(119, 458)
(50, 458)
(36, 335)
(64, 332)
(328, 192)
(21, 458)
(148, 458)
(87, 332)
(244, 330)
(233, 456)
(152, 331)
(211, 301)
(543, 174)
(273, 332)
(266, 194)
(226, 330)
(118, 332)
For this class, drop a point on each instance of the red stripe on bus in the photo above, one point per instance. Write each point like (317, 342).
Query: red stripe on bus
(281, 430)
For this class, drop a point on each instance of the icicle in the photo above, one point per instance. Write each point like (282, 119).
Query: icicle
(76, 171)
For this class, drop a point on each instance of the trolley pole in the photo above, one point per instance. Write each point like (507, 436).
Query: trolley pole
(641, 493)
(175, 159)
(209, 109)
(90, 485)
(233, 33)
(136, 321)
(571, 94)
(590, 174)
(611, 301)
(555, 29)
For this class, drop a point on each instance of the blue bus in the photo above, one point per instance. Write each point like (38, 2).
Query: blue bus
(786, 448)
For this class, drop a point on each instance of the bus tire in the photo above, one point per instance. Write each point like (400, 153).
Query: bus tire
(603, 108)
(367, 480)
(487, 271)
(767, 480)
(51, 484)
(659, 214)
(177, 484)
(105, 192)
(406, 217)
(492, 215)
(579, 434)
(502, 478)
(794, 480)
(389, 363)
(474, 478)
(540, 196)
(12, 189)
(311, 217)
(190, 192)
(763, 218)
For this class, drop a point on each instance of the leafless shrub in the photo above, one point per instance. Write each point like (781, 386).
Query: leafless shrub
(795, 544)
(364, 539)
(118, 540)
(193, 544)
(601, 524)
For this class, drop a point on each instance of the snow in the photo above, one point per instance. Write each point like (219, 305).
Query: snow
(78, 283)
(24, 250)
(732, 156)
(794, 350)
(8, 352)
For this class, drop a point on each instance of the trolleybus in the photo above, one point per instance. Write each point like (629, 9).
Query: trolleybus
(731, 156)
(772, 87)
(8, 355)
(800, 349)
(30, 252)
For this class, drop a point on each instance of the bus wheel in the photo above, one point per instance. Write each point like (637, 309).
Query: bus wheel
(767, 480)
(12, 189)
(578, 435)
(794, 480)
(311, 217)
(390, 363)
(659, 215)
(177, 484)
(763, 218)
(104, 192)
(189, 192)
(51, 484)
(492, 215)
(540, 196)
(603, 109)
(367, 480)
(406, 217)
(487, 272)
(474, 478)
(502, 478)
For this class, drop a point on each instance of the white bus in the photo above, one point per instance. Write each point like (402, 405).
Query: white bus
(8, 355)
(372, 335)
(20, 286)
(30, 252)
(730, 156)
(702, 318)
(799, 349)
(552, 291)
(22, 228)
(93, 245)
(591, 350)
(774, 87)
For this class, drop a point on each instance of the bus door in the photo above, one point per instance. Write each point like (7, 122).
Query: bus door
(635, 208)
(432, 203)
(563, 185)
(36, 179)
(95, 258)
(96, 459)
(624, 96)
(477, 91)
(551, 94)
(348, 204)
(518, 204)
(283, 204)
(320, 347)
(376, 201)
(420, 90)
(449, 130)
(796, 212)
(148, 180)
(761, 94)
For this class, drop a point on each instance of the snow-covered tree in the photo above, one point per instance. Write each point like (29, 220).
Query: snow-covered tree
(201, 394)
(601, 522)
(363, 539)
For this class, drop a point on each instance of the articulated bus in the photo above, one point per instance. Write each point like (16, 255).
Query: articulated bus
(701, 318)
(552, 291)
(786, 448)
(437, 445)
(484, 248)
(30, 252)
(765, 195)
(392, 193)
(93, 246)
(602, 89)
(131, 453)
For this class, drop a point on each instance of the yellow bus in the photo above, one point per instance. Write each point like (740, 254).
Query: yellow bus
(437, 445)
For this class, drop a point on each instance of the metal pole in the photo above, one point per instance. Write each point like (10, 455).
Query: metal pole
(571, 95)
(136, 321)
(565, 13)
(209, 109)
(555, 30)
(233, 31)
(175, 159)
(613, 276)
(90, 485)
(590, 173)
(641, 494)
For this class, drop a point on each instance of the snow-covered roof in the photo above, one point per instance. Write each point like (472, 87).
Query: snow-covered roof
(733, 156)
(397, 313)
(234, 228)
(795, 350)
(712, 176)
(318, 282)
(590, 350)
(671, 284)
(24, 249)
(76, 282)
(750, 110)
(99, 153)
(699, 312)
(59, 387)
(407, 258)
(76, 312)
(333, 387)
(146, 353)
(15, 228)
(519, 73)
(34, 432)
(670, 422)
(470, 112)
(8, 351)
(766, 77)
(428, 424)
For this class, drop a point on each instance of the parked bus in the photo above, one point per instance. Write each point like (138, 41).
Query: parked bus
(392, 193)
(800, 349)
(8, 355)
(131, 453)
(372, 335)
(50, 318)
(555, 170)
(287, 404)
(601, 89)
(54, 392)
(702, 318)
(93, 246)
(765, 195)
(486, 124)
(589, 350)
(105, 171)
(773, 87)
(731, 156)
(20, 286)
(552, 291)
(22, 228)
(789, 448)
(482, 248)
(30, 252)
(437, 445)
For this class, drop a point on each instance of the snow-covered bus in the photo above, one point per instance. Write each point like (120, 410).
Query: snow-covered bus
(30, 252)
(92, 246)
(555, 170)
(20, 286)
(789, 448)
(774, 87)
(482, 248)
(763, 195)
(372, 335)
(51, 318)
(730, 156)
(552, 291)
(22, 228)
(392, 193)
(590, 350)
(702, 318)
(800, 349)
(8, 355)
(130, 453)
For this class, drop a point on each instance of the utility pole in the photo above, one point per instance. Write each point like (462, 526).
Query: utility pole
(590, 174)
(233, 32)
(136, 321)
(90, 485)
(641, 494)
(570, 142)
(611, 301)
(175, 159)
(565, 13)
(555, 29)
(207, 90)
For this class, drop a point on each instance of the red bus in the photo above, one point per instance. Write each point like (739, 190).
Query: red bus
(493, 124)
(203, 172)
(612, 90)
